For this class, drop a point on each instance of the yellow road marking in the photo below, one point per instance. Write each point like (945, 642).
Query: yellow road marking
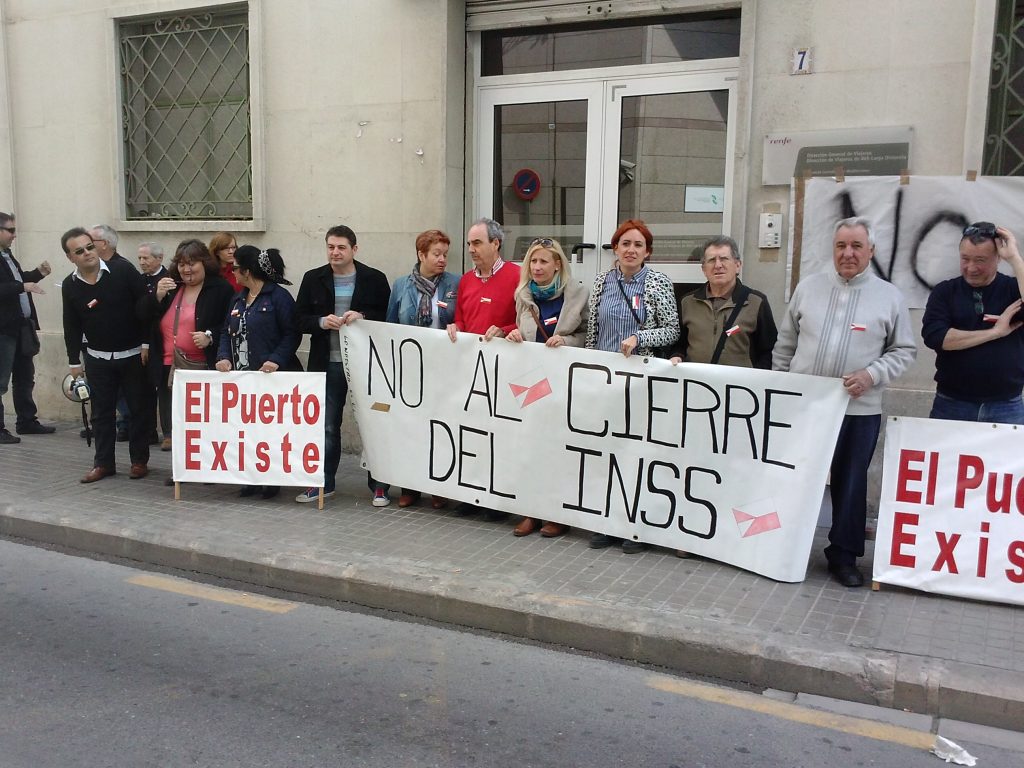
(754, 703)
(217, 594)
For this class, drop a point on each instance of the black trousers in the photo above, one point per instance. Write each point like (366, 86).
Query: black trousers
(106, 379)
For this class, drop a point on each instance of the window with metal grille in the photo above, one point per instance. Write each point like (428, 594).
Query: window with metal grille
(1004, 133)
(185, 104)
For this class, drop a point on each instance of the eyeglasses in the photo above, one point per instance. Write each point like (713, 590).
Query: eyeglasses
(543, 242)
(80, 251)
(8, 229)
(981, 229)
(979, 305)
(718, 260)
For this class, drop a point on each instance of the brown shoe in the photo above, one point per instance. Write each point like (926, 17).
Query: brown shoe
(138, 471)
(408, 499)
(97, 473)
(551, 530)
(165, 444)
(438, 502)
(527, 526)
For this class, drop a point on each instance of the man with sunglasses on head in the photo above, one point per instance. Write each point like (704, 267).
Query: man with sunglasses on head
(99, 301)
(18, 340)
(973, 322)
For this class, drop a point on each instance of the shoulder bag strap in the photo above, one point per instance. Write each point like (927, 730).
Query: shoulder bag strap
(740, 298)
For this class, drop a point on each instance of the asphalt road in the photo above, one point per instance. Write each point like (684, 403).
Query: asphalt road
(106, 665)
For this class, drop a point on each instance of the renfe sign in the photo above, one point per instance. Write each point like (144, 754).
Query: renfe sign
(951, 515)
(725, 462)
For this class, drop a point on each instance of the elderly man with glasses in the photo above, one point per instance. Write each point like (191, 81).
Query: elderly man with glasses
(724, 321)
(973, 322)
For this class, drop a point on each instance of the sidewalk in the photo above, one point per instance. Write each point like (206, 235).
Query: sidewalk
(934, 655)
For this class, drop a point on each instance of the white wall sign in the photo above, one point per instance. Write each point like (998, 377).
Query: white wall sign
(860, 152)
(725, 462)
(951, 514)
(917, 225)
(248, 427)
(700, 199)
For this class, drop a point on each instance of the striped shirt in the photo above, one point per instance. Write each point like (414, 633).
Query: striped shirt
(616, 322)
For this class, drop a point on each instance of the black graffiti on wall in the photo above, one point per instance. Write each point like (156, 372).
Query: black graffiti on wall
(939, 217)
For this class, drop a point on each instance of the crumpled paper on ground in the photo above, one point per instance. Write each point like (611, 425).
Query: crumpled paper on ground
(952, 752)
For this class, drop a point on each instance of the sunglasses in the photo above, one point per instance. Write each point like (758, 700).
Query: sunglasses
(86, 249)
(981, 229)
(9, 229)
(979, 305)
(543, 242)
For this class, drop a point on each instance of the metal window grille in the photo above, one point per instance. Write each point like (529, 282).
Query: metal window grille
(1004, 135)
(185, 116)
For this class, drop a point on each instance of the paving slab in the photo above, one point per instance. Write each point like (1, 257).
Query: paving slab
(926, 654)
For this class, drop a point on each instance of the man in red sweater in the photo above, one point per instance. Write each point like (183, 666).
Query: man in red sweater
(486, 304)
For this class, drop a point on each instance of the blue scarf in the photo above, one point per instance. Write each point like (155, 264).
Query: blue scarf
(546, 292)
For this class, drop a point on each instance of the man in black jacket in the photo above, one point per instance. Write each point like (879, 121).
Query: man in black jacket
(18, 340)
(336, 294)
(99, 302)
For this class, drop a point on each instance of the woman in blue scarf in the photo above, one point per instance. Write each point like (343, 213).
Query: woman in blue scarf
(551, 308)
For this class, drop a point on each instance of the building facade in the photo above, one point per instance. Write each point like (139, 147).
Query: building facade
(275, 120)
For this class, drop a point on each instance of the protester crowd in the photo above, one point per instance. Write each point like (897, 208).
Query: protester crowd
(220, 306)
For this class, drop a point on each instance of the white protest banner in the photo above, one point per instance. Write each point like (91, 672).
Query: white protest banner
(951, 514)
(248, 427)
(725, 462)
(917, 225)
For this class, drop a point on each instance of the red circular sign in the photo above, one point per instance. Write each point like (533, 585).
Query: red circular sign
(526, 184)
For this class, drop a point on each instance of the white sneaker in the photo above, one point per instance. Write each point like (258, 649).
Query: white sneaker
(312, 494)
(380, 498)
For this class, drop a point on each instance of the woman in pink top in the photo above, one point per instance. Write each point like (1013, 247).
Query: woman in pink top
(194, 296)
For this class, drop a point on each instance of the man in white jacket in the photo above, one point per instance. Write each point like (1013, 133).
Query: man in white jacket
(851, 324)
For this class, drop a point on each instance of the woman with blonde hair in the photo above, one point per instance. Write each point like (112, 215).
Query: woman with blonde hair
(551, 308)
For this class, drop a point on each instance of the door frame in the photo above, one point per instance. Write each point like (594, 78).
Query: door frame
(603, 89)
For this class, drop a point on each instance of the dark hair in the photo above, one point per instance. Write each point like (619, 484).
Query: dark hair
(979, 232)
(340, 230)
(638, 225)
(425, 240)
(71, 234)
(190, 251)
(718, 242)
(248, 257)
(5, 217)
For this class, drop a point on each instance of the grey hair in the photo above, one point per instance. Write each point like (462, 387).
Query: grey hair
(856, 221)
(5, 217)
(106, 233)
(494, 230)
(717, 242)
(155, 249)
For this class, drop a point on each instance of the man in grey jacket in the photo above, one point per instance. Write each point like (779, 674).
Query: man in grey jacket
(851, 324)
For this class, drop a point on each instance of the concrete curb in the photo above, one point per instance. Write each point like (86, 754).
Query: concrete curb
(967, 692)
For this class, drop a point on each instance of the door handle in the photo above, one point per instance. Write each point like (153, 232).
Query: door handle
(576, 249)
(607, 246)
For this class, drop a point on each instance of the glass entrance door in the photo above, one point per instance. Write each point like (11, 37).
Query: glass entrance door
(570, 160)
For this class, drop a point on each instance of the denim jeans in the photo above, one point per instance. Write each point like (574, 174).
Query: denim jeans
(17, 373)
(334, 408)
(336, 394)
(995, 412)
(848, 487)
